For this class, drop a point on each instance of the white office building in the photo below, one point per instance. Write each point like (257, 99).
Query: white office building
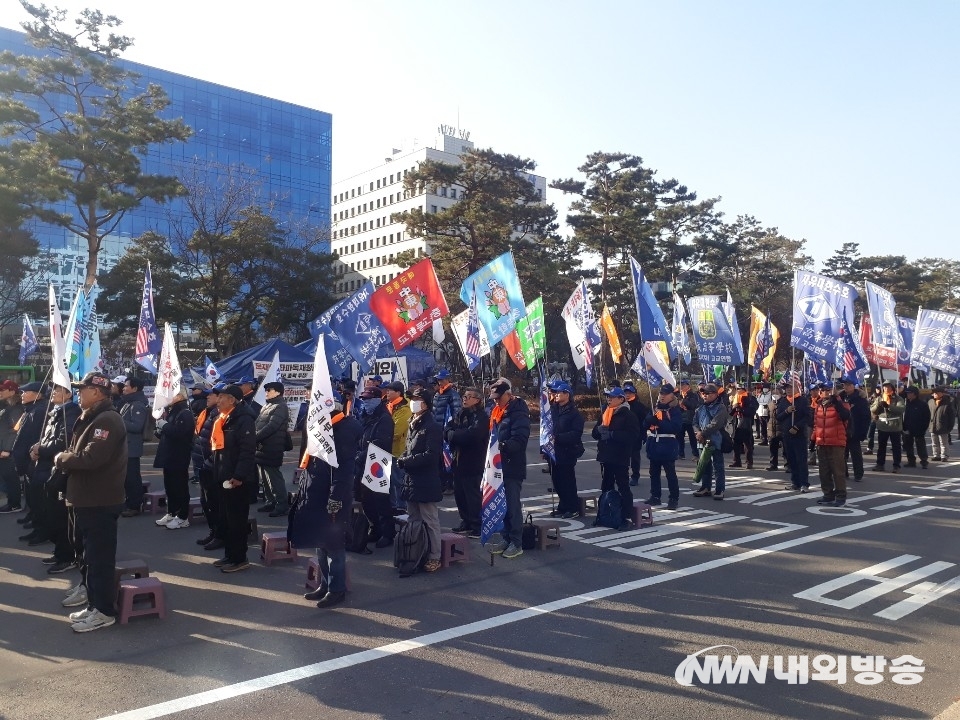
(364, 234)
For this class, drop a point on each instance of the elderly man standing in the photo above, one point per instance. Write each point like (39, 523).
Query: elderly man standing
(271, 444)
(616, 434)
(711, 417)
(133, 410)
(511, 417)
(95, 465)
(29, 428)
(173, 457)
(10, 412)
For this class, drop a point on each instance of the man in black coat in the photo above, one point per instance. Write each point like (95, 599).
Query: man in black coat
(617, 432)
(640, 411)
(467, 435)
(173, 457)
(916, 420)
(511, 417)
(377, 430)
(859, 424)
(793, 418)
(202, 457)
(233, 442)
(28, 435)
(271, 445)
(10, 412)
(568, 447)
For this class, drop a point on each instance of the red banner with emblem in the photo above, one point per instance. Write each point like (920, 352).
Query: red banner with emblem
(882, 359)
(408, 304)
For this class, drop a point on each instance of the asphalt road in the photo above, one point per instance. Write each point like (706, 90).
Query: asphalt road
(595, 628)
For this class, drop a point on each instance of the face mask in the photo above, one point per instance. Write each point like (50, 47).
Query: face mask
(416, 406)
(370, 404)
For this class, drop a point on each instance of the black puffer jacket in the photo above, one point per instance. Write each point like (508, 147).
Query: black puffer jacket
(468, 435)
(31, 425)
(916, 418)
(9, 416)
(272, 432)
(235, 461)
(57, 431)
(201, 441)
(617, 441)
(514, 432)
(422, 460)
(377, 429)
(176, 439)
(567, 433)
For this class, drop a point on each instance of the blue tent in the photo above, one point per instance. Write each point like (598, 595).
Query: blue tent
(240, 365)
(420, 363)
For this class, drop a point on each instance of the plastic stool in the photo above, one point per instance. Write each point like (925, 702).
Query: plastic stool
(194, 508)
(146, 485)
(453, 548)
(585, 497)
(155, 502)
(642, 514)
(275, 546)
(313, 575)
(144, 588)
(544, 539)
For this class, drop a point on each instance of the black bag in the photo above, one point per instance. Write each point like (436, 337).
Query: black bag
(288, 442)
(609, 510)
(411, 548)
(357, 532)
(726, 442)
(56, 483)
(529, 534)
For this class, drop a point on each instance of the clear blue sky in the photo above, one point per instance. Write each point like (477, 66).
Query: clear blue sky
(834, 121)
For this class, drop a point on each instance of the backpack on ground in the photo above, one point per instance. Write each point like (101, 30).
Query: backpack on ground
(411, 548)
(357, 531)
(609, 510)
(529, 534)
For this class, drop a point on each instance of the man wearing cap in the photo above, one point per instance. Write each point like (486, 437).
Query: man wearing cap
(859, 422)
(743, 410)
(467, 436)
(202, 457)
(942, 420)
(640, 411)
(29, 429)
(175, 433)
(446, 405)
(568, 447)
(887, 411)
(133, 410)
(616, 433)
(198, 399)
(95, 465)
(830, 420)
(116, 391)
(233, 442)
(916, 421)
(10, 412)
(711, 417)
(248, 386)
(793, 419)
(271, 428)
(511, 417)
(399, 410)
(377, 430)
(348, 390)
(689, 402)
(664, 424)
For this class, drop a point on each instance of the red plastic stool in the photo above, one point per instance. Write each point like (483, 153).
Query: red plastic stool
(453, 548)
(275, 546)
(642, 514)
(155, 502)
(140, 598)
(544, 537)
(313, 575)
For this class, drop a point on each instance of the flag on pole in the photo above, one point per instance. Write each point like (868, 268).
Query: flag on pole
(473, 336)
(546, 422)
(28, 341)
(272, 375)
(884, 327)
(210, 371)
(578, 317)
(653, 325)
(731, 312)
(60, 375)
(73, 335)
(610, 330)
(198, 380)
(376, 470)
(445, 446)
(168, 376)
(409, 305)
(763, 341)
(148, 335)
(92, 360)
(908, 327)
(319, 425)
(818, 305)
(854, 361)
(530, 334)
(652, 364)
(936, 341)
(494, 506)
(679, 338)
(499, 299)
(711, 331)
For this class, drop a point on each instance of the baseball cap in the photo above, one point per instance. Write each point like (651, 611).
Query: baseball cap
(499, 386)
(561, 386)
(666, 389)
(709, 388)
(92, 379)
(9, 385)
(371, 392)
(278, 386)
(119, 379)
(614, 392)
(418, 393)
(684, 382)
(912, 389)
(233, 391)
(630, 387)
(442, 375)
(396, 386)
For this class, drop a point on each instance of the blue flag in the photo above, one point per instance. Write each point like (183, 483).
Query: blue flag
(471, 347)
(679, 338)
(731, 312)
(546, 422)
(360, 333)
(854, 361)
(936, 341)
(321, 323)
(764, 343)
(908, 327)
(499, 302)
(711, 331)
(819, 303)
(73, 335)
(28, 341)
(653, 325)
(149, 342)
(885, 332)
(816, 372)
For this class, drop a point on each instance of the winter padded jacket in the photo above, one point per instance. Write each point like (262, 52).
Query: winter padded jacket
(616, 441)
(96, 461)
(271, 427)
(830, 419)
(514, 432)
(176, 439)
(567, 432)
(421, 461)
(468, 435)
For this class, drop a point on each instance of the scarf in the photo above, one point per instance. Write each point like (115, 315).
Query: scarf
(201, 419)
(393, 404)
(496, 415)
(608, 415)
(216, 434)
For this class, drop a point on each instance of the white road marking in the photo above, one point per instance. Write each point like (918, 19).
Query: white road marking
(285, 677)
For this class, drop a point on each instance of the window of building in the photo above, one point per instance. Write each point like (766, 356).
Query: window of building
(443, 192)
(433, 209)
(453, 193)
(364, 227)
(364, 245)
(351, 193)
(371, 186)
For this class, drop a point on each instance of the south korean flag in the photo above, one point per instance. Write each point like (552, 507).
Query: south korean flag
(376, 473)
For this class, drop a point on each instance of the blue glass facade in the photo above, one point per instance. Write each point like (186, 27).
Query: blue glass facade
(289, 147)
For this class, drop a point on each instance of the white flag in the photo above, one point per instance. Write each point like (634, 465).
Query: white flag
(319, 427)
(438, 333)
(458, 323)
(169, 377)
(273, 375)
(658, 367)
(57, 345)
(376, 471)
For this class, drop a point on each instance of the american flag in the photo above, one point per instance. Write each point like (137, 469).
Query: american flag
(853, 360)
(447, 452)
(148, 335)
(473, 333)
(28, 341)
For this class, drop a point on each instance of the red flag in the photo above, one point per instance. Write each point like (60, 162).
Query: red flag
(887, 361)
(512, 344)
(408, 304)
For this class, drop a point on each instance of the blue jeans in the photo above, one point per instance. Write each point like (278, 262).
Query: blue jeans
(513, 520)
(333, 569)
(397, 477)
(714, 470)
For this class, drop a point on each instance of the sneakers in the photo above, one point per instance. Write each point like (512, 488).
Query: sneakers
(936, 458)
(8, 508)
(804, 488)
(735, 465)
(625, 525)
(826, 500)
(771, 466)
(61, 567)
(570, 515)
(910, 464)
(868, 451)
(235, 567)
(877, 468)
(924, 465)
(653, 501)
(473, 534)
(177, 523)
(52, 560)
(317, 594)
(703, 492)
(222, 562)
(634, 482)
(791, 486)
(511, 551)
(463, 528)
(499, 548)
(434, 565)
(895, 469)
(839, 502)
(75, 597)
(79, 614)
(164, 520)
(718, 496)
(335, 598)
(94, 620)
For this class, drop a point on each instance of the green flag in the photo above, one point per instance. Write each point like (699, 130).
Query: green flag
(533, 336)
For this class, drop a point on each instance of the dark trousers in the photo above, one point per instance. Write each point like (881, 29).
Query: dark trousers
(133, 485)
(714, 472)
(795, 455)
(920, 443)
(855, 453)
(58, 528)
(635, 458)
(513, 520)
(98, 527)
(692, 437)
(11, 481)
(274, 487)
(565, 484)
(670, 470)
(176, 484)
(894, 439)
(831, 466)
(234, 514)
(36, 498)
(743, 444)
(776, 442)
(871, 434)
(379, 511)
(210, 494)
(333, 569)
(76, 543)
(466, 492)
(618, 476)
(763, 423)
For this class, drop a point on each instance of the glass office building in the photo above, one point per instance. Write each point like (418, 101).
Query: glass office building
(288, 146)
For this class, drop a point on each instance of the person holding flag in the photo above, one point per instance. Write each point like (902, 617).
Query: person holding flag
(711, 417)
(10, 412)
(377, 430)
(616, 433)
(664, 424)
(511, 417)
(568, 447)
(793, 419)
(446, 405)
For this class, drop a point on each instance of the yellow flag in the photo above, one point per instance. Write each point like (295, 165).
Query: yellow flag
(757, 321)
(606, 321)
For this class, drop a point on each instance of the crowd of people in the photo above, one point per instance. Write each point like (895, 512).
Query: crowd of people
(76, 460)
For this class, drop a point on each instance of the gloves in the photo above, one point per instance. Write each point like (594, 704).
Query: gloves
(604, 433)
(160, 424)
(334, 506)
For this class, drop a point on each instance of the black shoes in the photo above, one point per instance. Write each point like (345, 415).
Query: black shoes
(331, 599)
(826, 500)
(205, 540)
(672, 504)
(214, 544)
(317, 594)
(268, 508)
(652, 501)
(61, 567)
(8, 508)
(279, 512)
